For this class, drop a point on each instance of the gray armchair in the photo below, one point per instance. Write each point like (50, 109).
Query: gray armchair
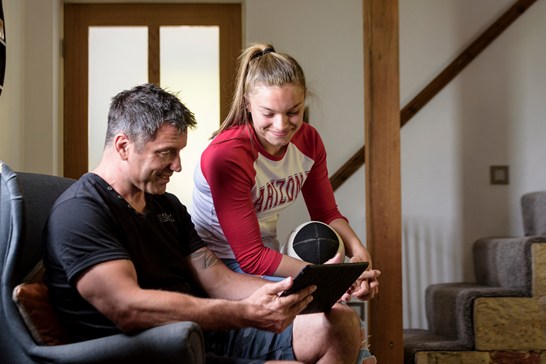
(25, 201)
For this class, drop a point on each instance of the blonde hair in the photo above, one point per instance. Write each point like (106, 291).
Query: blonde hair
(259, 64)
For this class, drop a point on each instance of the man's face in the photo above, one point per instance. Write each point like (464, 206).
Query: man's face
(151, 167)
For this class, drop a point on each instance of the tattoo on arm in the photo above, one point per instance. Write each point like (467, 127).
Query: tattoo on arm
(205, 257)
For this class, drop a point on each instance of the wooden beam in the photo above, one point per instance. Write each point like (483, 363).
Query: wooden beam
(153, 55)
(436, 85)
(383, 197)
(76, 54)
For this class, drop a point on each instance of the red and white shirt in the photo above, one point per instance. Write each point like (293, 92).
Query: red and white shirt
(240, 190)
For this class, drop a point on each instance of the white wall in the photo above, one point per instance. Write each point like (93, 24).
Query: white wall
(11, 109)
(30, 103)
(490, 114)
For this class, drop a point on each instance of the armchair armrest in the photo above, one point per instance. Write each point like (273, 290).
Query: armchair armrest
(180, 342)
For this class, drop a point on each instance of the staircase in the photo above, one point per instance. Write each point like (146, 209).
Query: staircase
(499, 319)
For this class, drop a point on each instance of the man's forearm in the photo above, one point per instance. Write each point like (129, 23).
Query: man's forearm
(219, 281)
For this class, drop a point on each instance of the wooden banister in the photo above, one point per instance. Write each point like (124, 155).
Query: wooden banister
(438, 83)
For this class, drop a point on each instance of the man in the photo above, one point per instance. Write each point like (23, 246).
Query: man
(121, 254)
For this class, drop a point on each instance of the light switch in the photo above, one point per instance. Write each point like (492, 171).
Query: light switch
(499, 175)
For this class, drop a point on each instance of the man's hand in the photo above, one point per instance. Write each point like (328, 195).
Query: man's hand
(268, 310)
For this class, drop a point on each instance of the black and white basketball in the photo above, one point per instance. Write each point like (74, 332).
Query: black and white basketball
(314, 242)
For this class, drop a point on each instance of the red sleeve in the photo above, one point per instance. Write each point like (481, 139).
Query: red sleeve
(229, 170)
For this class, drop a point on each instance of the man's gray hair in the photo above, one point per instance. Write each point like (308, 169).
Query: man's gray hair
(142, 110)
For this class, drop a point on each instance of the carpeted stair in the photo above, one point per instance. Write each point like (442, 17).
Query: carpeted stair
(506, 270)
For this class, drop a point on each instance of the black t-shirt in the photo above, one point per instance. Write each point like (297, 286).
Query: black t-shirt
(90, 224)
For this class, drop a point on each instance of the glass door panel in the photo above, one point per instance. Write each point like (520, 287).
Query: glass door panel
(118, 60)
(189, 64)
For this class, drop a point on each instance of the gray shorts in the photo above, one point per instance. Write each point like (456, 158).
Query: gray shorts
(249, 346)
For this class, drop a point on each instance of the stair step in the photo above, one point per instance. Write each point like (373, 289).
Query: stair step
(533, 209)
(450, 308)
(539, 270)
(480, 357)
(418, 340)
(504, 262)
(452, 357)
(509, 323)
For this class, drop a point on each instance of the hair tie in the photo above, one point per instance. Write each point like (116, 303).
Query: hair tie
(268, 50)
(262, 53)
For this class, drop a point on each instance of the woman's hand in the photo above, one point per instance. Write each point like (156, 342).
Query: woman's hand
(366, 286)
(338, 258)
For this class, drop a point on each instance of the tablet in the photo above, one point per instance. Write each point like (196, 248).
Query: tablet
(332, 281)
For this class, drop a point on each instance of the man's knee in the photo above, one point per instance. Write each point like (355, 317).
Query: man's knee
(344, 318)
(335, 335)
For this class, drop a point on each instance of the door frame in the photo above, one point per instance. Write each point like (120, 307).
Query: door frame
(77, 20)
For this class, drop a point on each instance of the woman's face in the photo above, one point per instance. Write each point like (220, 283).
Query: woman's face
(277, 113)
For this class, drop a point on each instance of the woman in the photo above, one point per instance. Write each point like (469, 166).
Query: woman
(259, 161)
(257, 164)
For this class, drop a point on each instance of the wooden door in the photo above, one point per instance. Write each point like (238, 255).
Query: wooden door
(78, 19)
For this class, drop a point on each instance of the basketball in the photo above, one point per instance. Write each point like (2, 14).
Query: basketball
(313, 242)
